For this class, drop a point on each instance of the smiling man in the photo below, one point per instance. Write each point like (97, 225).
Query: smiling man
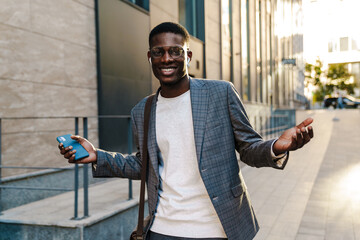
(195, 187)
(169, 55)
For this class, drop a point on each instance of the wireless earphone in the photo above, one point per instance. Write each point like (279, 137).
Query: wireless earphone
(150, 60)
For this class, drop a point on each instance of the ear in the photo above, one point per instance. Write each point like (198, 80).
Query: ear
(189, 55)
(149, 56)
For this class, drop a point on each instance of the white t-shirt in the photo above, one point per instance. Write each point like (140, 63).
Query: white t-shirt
(184, 207)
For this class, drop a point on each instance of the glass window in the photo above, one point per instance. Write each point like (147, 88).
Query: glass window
(330, 47)
(225, 40)
(259, 82)
(354, 44)
(344, 44)
(191, 13)
(141, 3)
(245, 69)
(268, 51)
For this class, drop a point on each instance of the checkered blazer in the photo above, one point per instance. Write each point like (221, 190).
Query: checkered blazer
(221, 126)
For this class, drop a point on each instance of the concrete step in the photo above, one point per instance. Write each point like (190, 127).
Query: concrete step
(50, 178)
(52, 218)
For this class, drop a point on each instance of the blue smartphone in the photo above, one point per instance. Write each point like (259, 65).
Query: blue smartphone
(66, 140)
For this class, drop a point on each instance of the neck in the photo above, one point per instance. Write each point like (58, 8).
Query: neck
(170, 91)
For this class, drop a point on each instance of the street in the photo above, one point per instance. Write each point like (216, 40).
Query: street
(317, 195)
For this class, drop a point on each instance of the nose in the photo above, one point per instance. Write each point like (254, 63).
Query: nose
(166, 58)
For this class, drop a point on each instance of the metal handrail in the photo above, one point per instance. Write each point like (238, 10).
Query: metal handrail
(76, 172)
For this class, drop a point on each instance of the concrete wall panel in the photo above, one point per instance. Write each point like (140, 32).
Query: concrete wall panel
(16, 99)
(30, 57)
(66, 20)
(47, 68)
(15, 13)
(212, 39)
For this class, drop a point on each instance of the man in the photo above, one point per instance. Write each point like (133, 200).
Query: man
(195, 188)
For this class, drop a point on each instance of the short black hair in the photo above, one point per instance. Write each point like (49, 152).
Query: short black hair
(171, 27)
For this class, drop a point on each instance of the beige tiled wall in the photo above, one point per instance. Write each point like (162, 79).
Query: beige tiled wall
(212, 39)
(47, 69)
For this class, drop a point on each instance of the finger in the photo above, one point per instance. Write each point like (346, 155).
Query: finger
(68, 148)
(311, 132)
(68, 155)
(76, 137)
(306, 136)
(72, 159)
(305, 123)
(65, 150)
(299, 139)
(60, 146)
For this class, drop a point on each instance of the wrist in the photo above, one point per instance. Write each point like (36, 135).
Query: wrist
(275, 149)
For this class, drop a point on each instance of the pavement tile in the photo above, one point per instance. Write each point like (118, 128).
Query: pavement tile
(309, 237)
(266, 220)
(311, 231)
(337, 235)
(285, 229)
(263, 233)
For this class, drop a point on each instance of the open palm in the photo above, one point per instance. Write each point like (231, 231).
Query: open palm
(294, 138)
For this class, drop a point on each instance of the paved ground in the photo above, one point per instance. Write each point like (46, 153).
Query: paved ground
(59, 210)
(317, 196)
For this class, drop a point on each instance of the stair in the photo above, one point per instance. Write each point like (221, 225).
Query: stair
(112, 215)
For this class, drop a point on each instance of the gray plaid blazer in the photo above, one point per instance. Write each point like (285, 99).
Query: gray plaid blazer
(221, 126)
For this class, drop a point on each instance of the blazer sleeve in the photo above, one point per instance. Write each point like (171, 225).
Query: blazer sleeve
(253, 150)
(113, 164)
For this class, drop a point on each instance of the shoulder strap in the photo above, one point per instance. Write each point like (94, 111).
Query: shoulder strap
(144, 156)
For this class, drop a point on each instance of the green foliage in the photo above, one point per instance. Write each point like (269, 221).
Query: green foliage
(337, 77)
(313, 73)
(319, 95)
(338, 71)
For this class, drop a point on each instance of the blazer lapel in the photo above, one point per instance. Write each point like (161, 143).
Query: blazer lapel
(199, 104)
(153, 148)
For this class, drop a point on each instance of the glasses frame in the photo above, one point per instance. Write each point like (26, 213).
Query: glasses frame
(169, 47)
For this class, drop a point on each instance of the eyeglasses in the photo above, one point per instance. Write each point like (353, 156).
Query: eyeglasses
(174, 52)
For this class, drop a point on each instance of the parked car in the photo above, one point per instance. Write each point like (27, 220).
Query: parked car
(348, 102)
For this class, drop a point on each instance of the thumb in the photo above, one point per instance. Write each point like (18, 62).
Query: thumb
(305, 123)
(77, 138)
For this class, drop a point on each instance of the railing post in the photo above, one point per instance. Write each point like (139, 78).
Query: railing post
(129, 152)
(272, 123)
(76, 176)
(85, 169)
(0, 171)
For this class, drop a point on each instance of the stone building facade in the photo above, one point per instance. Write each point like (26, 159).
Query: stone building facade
(71, 58)
(47, 69)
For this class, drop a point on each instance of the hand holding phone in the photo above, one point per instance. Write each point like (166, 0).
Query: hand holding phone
(67, 141)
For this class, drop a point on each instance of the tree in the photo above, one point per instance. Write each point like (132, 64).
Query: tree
(313, 75)
(339, 77)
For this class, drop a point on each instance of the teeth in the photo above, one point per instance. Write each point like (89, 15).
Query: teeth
(167, 69)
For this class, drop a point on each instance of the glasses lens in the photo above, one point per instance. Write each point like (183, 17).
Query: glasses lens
(157, 52)
(176, 52)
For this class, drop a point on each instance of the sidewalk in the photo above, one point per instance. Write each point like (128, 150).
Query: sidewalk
(317, 196)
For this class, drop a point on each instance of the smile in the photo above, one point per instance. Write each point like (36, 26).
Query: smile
(168, 70)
